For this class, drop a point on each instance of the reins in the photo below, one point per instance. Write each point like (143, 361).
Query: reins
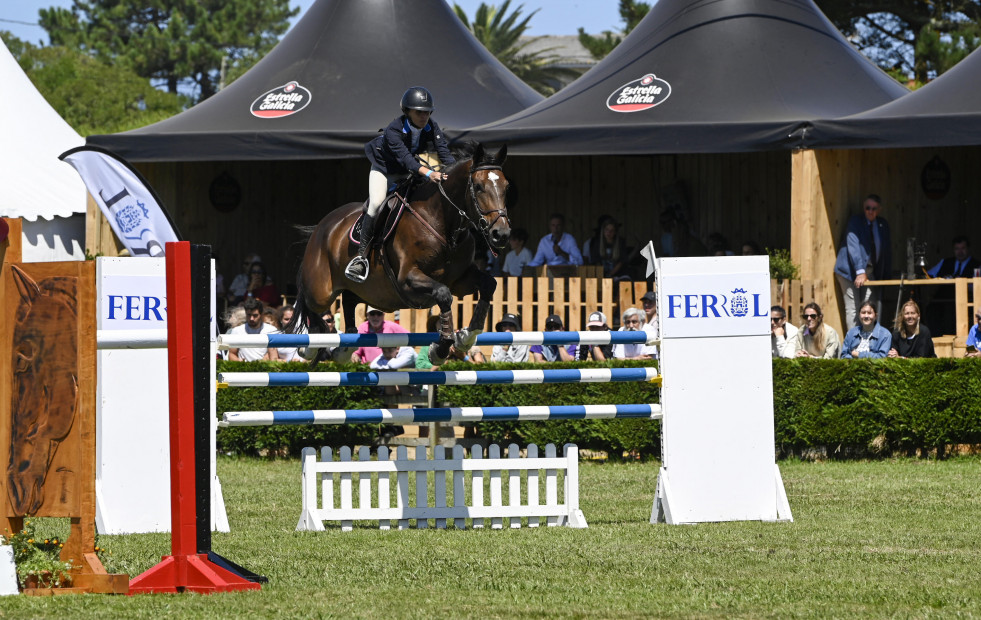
(481, 225)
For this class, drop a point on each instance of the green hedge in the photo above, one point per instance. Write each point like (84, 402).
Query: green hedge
(283, 440)
(846, 407)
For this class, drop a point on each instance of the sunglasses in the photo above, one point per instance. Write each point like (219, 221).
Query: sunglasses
(810, 316)
(328, 320)
(869, 208)
(774, 319)
(376, 314)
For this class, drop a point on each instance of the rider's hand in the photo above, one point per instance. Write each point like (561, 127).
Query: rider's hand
(438, 176)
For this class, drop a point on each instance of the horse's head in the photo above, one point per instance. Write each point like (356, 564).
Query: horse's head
(490, 193)
(45, 387)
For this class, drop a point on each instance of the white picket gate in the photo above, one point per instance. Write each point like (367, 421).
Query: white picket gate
(485, 480)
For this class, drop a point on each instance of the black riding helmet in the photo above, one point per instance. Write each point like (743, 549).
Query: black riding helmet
(417, 98)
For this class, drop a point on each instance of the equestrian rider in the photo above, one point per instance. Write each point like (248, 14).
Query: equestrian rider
(391, 157)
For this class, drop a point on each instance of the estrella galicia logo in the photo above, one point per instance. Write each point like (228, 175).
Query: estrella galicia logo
(130, 217)
(738, 304)
(638, 95)
(281, 101)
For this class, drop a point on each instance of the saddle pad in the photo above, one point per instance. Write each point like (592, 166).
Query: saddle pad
(389, 210)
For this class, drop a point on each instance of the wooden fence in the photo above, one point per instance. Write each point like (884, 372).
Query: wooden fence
(574, 298)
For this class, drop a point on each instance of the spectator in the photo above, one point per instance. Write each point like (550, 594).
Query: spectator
(783, 335)
(973, 337)
(633, 320)
(558, 247)
(261, 286)
(253, 325)
(865, 254)
(912, 339)
(718, 245)
(961, 265)
(422, 360)
(599, 352)
(283, 316)
(649, 302)
(751, 248)
(512, 352)
(552, 352)
(376, 324)
(815, 339)
(519, 256)
(269, 316)
(607, 248)
(233, 317)
(331, 324)
(240, 283)
(869, 339)
(394, 358)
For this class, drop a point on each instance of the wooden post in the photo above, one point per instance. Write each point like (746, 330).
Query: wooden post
(99, 238)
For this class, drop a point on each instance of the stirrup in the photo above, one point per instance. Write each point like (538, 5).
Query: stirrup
(353, 273)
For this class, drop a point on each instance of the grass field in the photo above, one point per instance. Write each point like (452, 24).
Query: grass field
(871, 539)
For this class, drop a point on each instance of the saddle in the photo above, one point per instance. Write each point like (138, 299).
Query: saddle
(388, 216)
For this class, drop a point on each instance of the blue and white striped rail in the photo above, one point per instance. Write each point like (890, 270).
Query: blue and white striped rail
(262, 341)
(465, 377)
(445, 414)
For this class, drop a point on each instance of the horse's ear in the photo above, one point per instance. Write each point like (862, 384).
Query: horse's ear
(478, 154)
(26, 285)
(501, 155)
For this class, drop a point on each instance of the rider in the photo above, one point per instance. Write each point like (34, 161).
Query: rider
(391, 157)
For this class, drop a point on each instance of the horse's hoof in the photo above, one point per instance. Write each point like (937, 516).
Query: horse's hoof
(342, 355)
(434, 357)
(464, 339)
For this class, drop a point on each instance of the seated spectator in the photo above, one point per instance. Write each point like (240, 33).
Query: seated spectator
(422, 360)
(269, 316)
(253, 325)
(599, 352)
(751, 248)
(718, 245)
(973, 337)
(331, 324)
(376, 324)
(607, 248)
(283, 316)
(649, 302)
(233, 317)
(552, 352)
(868, 339)
(261, 286)
(633, 320)
(511, 352)
(558, 247)
(240, 283)
(519, 256)
(815, 339)
(912, 339)
(960, 265)
(783, 335)
(394, 358)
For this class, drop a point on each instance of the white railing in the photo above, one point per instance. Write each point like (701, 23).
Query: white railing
(471, 481)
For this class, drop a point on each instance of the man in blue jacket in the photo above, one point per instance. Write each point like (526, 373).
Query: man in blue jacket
(865, 254)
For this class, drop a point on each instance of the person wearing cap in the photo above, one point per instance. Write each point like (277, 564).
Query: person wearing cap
(551, 352)
(558, 247)
(633, 320)
(599, 352)
(512, 352)
(376, 324)
(392, 157)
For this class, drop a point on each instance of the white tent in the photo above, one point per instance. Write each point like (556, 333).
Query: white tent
(46, 193)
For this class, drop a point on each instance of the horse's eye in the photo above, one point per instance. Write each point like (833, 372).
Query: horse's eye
(479, 187)
(26, 352)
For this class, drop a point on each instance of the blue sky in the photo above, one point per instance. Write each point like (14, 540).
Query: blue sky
(553, 17)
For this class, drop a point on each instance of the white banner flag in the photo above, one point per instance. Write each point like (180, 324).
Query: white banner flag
(127, 201)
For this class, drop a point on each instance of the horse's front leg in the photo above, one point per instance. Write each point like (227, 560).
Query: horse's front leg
(486, 285)
(422, 285)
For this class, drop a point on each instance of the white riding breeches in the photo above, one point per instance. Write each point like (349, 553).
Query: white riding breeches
(377, 190)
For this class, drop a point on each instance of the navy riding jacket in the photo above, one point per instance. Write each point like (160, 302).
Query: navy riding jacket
(390, 153)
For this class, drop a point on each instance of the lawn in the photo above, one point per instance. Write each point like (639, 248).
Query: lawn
(885, 538)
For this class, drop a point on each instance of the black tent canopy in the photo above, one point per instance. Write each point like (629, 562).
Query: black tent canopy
(333, 82)
(705, 76)
(945, 112)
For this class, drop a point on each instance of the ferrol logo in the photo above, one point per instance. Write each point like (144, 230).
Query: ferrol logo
(281, 101)
(638, 95)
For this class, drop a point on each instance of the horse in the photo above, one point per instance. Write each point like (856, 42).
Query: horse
(424, 262)
(45, 384)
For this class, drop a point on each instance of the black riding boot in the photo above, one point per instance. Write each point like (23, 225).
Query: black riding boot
(357, 269)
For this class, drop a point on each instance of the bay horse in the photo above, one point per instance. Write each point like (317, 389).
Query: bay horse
(426, 261)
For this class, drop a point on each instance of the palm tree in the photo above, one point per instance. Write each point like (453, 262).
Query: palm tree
(501, 34)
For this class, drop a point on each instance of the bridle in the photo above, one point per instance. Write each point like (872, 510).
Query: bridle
(480, 224)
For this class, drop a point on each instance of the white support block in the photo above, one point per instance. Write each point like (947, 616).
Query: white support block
(8, 572)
